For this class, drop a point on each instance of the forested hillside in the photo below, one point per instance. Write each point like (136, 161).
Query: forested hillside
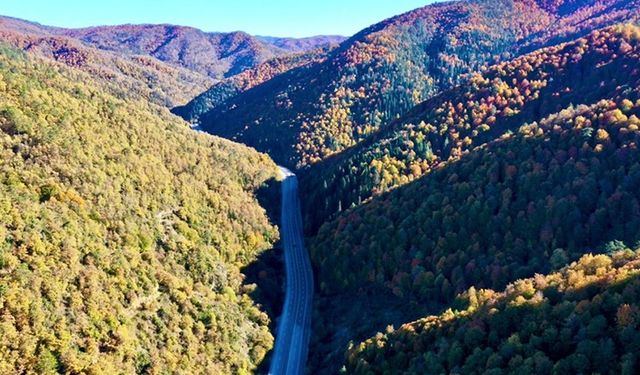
(312, 112)
(303, 44)
(488, 105)
(122, 232)
(468, 171)
(527, 202)
(581, 319)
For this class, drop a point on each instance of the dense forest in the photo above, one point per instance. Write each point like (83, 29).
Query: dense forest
(582, 319)
(528, 201)
(122, 233)
(155, 81)
(490, 104)
(310, 113)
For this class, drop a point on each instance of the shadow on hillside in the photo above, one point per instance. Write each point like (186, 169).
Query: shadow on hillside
(610, 173)
(266, 272)
(603, 295)
(339, 320)
(591, 80)
(269, 198)
(227, 121)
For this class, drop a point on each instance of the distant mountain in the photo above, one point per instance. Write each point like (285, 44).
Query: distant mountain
(141, 75)
(307, 114)
(157, 81)
(216, 55)
(302, 44)
(169, 64)
(122, 232)
(540, 155)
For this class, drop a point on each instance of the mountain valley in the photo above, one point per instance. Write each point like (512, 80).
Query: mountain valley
(462, 195)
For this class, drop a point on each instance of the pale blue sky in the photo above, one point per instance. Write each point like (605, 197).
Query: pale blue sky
(295, 18)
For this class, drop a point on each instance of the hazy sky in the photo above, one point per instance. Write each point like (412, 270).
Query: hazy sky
(295, 18)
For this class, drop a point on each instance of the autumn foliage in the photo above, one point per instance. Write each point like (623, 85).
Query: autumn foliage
(490, 104)
(306, 115)
(122, 232)
(582, 319)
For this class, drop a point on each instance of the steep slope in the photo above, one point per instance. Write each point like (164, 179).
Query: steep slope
(582, 319)
(488, 105)
(496, 212)
(121, 233)
(526, 202)
(227, 88)
(307, 114)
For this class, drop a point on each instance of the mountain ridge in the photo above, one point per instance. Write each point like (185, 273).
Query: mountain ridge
(388, 68)
(175, 44)
(469, 173)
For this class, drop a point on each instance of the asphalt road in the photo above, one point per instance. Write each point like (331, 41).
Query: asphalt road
(294, 327)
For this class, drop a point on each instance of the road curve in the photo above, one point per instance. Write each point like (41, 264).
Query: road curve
(294, 327)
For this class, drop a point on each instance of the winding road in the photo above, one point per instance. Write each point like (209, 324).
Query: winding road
(294, 328)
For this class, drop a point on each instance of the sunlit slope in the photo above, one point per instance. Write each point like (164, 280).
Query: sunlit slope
(498, 213)
(121, 233)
